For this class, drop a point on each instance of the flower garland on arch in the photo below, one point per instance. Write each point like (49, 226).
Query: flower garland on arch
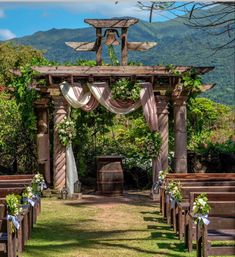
(66, 131)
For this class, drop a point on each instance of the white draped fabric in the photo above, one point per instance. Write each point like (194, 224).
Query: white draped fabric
(88, 97)
(71, 170)
(79, 96)
(103, 95)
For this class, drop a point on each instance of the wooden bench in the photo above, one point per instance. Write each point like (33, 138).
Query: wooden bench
(189, 226)
(175, 210)
(8, 240)
(16, 184)
(181, 210)
(220, 228)
(207, 178)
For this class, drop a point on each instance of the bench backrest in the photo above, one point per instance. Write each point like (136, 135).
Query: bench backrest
(12, 177)
(200, 175)
(16, 184)
(205, 183)
(204, 189)
(212, 196)
(14, 190)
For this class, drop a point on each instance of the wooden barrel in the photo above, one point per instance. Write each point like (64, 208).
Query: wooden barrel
(109, 175)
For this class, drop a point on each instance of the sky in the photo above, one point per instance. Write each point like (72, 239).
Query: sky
(19, 19)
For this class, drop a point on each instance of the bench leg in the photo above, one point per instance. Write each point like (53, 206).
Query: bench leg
(199, 247)
(181, 223)
(206, 244)
(190, 234)
(174, 220)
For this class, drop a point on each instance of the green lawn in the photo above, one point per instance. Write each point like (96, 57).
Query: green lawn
(107, 227)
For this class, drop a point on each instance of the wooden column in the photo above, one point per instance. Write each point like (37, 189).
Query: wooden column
(98, 46)
(124, 46)
(180, 131)
(59, 161)
(162, 112)
(43, 141)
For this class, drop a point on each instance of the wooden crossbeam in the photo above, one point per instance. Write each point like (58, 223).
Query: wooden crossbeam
(140, 46)
(111, 23)
(91, 46)
(82, 46)
(109, 71)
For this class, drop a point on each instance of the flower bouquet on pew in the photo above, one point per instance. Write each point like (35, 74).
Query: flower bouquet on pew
(13, 210)
(173, 190)
(38, 184)
(201, 209)
(161, 177)
(29, 196)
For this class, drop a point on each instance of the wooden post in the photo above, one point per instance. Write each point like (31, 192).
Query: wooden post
(124, 46)
(43, 140)
(98, 46)
(162, 112)
(60, 112)
(180, 134)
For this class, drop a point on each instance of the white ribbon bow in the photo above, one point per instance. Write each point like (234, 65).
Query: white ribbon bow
(14, 220)
(203, 218)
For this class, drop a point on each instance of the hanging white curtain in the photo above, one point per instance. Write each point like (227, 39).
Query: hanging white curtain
(71, 170)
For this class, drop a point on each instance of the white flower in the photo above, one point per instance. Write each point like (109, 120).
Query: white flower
(201, 202)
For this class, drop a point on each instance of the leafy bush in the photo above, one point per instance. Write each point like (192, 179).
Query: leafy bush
(208, 122)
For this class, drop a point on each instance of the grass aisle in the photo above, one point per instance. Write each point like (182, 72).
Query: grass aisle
(103, 227)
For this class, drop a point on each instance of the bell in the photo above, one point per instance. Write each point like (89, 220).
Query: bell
(111, 39)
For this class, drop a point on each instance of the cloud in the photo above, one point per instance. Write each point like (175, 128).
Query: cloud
(106, 8)
(6, 34)
(2, 14)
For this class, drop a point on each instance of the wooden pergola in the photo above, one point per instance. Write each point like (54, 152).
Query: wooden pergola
(166, 89)
(165, 84)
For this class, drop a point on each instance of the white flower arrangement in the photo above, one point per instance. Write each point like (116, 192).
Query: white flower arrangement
(13, 204)
(38, 178)
(38, 184)
(174, 190)
(162, 175)
(66, 131)
(28, 193)
(201, 209)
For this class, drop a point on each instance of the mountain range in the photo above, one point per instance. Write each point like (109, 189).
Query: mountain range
(178, 44)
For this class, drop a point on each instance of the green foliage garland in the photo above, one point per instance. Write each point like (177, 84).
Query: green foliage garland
(126, 90)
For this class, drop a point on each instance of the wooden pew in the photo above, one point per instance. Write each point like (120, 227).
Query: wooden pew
(185, 194)
(181, 210)
(184, 178)
(8, 241)
(189, 226)
(220, 228)
(16, 184)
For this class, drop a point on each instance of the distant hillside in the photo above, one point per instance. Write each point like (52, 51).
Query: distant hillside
(177, 44)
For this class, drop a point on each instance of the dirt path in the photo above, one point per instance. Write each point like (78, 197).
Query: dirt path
(103, 227)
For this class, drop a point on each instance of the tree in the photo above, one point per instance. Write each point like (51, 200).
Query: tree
(13, 57)
(216, 18)
(154, 6)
